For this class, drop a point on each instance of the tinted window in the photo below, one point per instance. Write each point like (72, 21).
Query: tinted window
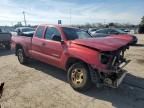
(39, 31)
(93, 30)
(113, 31)
(74, 33)
(101, 31)
(27, 29)
(50, 32)
(120, 31)
(107, 31)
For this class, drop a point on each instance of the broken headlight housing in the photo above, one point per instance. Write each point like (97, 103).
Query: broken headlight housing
(105, 58)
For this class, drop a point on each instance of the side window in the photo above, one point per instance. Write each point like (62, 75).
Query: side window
(113, 32)
(100, 31)
(107, 31)
(50, 32)
(39, 31)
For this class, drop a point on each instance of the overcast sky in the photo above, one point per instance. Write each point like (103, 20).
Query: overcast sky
(82, 11)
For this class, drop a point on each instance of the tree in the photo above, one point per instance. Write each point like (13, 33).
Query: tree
(111, 24)
(142, 21)
(99, 25)
(88, 25)
(19, 24)
(141, 26)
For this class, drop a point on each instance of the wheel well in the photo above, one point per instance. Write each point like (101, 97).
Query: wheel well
(71, 61)
(17, 47)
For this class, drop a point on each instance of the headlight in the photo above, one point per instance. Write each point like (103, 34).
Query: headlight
(105, 58)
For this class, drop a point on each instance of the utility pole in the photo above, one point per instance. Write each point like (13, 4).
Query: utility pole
(104, 21)
(24, 18)
(70, 15)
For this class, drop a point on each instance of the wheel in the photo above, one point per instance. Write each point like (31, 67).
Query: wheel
(21, 56)
(79, 77)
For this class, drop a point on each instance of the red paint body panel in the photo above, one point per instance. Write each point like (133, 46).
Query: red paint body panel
(57, 53)
(25, 42)
(110, 43)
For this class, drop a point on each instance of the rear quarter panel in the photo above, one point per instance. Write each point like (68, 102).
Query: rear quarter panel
(23, 41)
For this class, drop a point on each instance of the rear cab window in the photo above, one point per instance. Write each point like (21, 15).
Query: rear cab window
(40, 31)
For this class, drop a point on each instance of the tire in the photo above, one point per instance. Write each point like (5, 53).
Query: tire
(79, 77)
(21, 56)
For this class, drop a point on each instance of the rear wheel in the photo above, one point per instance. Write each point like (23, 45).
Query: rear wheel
(79, 77)
(21, 56)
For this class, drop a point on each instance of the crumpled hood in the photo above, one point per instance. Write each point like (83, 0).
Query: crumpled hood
(110, 43)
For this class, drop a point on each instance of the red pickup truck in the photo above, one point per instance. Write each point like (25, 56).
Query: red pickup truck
(87, 60)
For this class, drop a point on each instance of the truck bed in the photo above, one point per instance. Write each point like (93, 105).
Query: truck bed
(22, 40)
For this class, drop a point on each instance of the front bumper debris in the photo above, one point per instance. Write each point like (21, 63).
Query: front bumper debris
(114, 83)
(120, 79)
(114, 69)
(120, 66)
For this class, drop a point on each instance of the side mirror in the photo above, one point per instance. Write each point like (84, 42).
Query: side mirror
(56, 38)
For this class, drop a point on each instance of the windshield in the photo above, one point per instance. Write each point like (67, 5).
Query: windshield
(27, 29)
(74, 33)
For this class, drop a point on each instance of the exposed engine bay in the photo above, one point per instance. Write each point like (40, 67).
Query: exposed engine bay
(115, 59)
(115, 62)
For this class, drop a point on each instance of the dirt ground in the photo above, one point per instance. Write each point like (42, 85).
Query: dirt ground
(38, 85)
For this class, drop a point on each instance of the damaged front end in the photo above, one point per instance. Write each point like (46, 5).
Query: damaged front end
(113, 73)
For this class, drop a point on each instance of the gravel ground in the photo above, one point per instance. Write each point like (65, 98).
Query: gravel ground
(39, 85)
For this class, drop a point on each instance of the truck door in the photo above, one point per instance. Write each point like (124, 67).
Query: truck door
(52, 48)
(37, 44)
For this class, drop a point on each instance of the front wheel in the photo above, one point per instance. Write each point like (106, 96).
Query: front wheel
(21, 56)
(79, 77)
